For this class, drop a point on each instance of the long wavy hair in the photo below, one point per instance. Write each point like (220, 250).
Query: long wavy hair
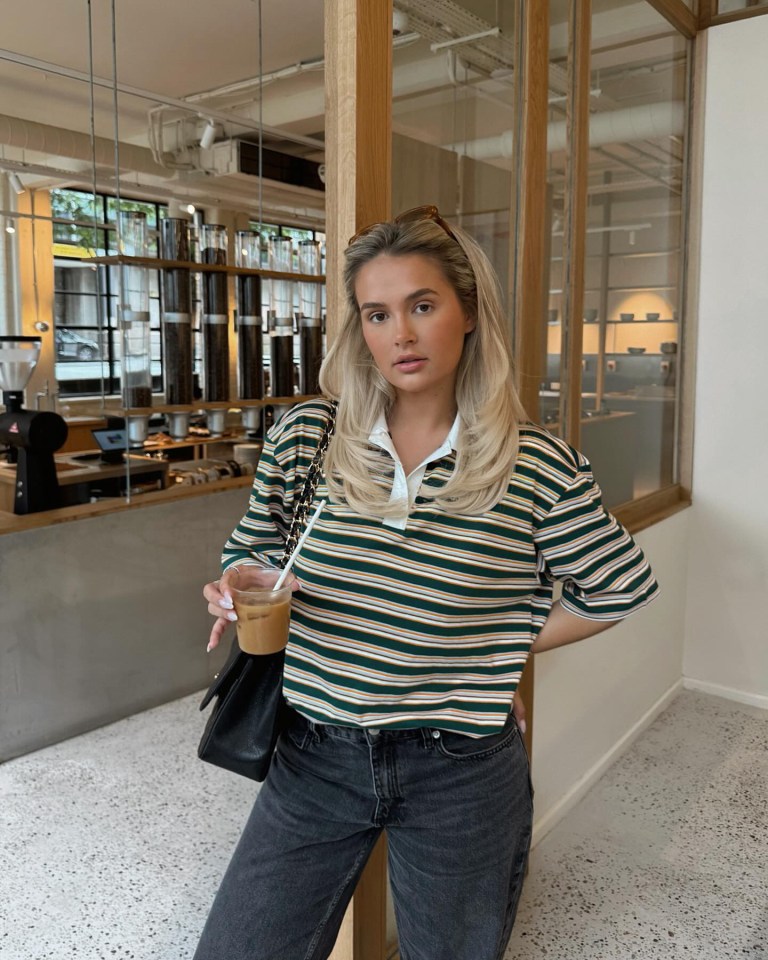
(486, 398)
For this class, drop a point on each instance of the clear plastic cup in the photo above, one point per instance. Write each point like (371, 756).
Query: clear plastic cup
(263, 614)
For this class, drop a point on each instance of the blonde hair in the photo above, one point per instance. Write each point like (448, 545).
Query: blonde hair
(486, 398)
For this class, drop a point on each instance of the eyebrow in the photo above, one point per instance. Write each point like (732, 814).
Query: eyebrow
(411, 296)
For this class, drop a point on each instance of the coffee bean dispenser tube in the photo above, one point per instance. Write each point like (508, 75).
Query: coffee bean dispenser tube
(133, 314)
(177, 327)
(281, 321)
(250, 343)
(213, 244)
(310, 330)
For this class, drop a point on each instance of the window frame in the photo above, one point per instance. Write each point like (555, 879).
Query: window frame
(106, 334)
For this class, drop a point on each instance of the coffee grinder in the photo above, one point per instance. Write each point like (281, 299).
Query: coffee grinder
(33, 436)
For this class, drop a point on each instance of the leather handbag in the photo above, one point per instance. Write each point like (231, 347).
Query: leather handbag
(242, 731)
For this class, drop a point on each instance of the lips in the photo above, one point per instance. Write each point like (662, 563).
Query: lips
(408, 358)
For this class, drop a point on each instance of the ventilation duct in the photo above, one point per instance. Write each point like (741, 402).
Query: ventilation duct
(54, 141)
(241, 158)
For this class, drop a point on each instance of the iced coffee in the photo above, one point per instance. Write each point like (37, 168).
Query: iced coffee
(263, 615)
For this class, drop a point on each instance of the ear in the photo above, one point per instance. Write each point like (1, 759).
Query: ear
(469, 324)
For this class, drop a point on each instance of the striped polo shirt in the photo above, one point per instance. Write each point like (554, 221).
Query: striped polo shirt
(431, 624)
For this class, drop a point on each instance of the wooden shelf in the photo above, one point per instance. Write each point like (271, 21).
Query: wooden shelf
(201, 405)
(157, 264)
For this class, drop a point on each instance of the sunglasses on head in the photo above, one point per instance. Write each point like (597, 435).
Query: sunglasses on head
(428, 212)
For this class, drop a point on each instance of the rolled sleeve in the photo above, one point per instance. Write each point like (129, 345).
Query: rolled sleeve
(604, 573)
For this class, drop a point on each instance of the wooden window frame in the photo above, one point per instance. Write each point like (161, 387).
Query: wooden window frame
(709, 17)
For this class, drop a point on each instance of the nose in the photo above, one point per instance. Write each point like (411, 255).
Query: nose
(404, 331)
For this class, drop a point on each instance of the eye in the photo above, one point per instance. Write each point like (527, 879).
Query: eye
(423, 307)
(376, 317)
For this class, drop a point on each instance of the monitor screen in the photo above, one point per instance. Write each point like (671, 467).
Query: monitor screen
(109, 440)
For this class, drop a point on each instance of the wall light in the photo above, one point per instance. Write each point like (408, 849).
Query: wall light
(16, 185)
(10, 226)
(209, 134)
(190, 208)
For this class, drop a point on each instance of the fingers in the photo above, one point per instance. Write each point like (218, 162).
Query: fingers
(518, 708)
(216, 633)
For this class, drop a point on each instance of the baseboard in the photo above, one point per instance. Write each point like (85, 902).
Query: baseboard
(727, 693)
(554, 815)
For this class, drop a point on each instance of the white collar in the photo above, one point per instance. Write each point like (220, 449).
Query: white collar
(379, 437)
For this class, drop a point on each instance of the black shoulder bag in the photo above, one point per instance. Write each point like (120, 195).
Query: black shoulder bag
(242, 730)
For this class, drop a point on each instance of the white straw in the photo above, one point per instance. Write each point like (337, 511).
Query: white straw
(302, 538)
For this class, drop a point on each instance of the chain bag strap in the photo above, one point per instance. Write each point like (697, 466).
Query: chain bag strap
(307, 495)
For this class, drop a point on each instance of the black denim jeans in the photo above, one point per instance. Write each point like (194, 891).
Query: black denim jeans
(457, 812)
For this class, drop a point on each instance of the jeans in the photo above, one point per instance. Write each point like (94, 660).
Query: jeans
(457, 813)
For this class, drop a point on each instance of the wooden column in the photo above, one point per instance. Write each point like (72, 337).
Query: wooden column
(529, 249)
(358, 163)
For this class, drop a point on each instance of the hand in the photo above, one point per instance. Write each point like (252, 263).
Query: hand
(219, 594)
(518, 708)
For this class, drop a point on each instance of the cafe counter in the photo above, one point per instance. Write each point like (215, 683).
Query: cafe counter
(105, 617)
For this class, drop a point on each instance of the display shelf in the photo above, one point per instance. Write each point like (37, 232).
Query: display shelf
(157, 264)
(595, 323)
(201, 405)
(630, 255)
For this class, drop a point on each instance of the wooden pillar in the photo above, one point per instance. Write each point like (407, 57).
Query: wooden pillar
(358, 163)
(529, 269)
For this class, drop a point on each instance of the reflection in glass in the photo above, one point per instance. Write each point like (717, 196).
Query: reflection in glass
(633, 281)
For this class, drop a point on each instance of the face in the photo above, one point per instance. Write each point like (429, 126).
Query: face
(413, 323)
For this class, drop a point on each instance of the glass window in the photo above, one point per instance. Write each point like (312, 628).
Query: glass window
(633, 262)
(87, 337)
(729, 6)
(452, 120)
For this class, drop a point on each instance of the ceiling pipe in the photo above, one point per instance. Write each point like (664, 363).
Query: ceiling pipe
(646, 122)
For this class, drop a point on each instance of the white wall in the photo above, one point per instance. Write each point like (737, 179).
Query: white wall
(592, 698)
(726, 648)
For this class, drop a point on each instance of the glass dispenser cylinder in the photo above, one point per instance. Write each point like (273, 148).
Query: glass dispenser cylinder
(177, 326)
(213, 244)
(281, 319)
(133, 313)
(310, 329)
(249, 332)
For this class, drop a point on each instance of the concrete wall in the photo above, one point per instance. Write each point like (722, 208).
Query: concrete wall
(104, 617)
(727, 624)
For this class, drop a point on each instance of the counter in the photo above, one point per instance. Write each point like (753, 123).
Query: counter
(105, 617)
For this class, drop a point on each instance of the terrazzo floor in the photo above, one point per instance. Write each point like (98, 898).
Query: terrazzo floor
(112, 845)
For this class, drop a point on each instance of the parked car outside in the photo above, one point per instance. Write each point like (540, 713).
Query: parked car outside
(75, 346)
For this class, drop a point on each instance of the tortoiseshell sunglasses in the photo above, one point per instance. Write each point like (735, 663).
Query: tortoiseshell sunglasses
(428, 212)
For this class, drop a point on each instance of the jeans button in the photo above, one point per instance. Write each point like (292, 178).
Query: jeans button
(436, 734)
(374, 731)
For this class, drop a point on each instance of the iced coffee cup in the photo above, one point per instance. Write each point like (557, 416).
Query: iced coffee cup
(263, 614)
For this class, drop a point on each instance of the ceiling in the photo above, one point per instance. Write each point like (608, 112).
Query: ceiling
(177, 49)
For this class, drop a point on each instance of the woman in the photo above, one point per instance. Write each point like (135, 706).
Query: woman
(420, 593)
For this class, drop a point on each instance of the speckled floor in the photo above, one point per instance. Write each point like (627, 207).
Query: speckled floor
(112, 844)
(667, 856)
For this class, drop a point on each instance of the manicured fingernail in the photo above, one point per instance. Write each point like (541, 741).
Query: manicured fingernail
(232, 616)
(522, 726)
(209, 647)
(226, 602)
